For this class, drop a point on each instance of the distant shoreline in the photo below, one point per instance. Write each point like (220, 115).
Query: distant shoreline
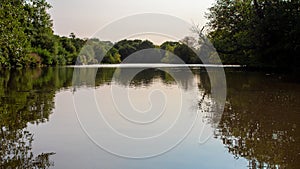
(150, 65)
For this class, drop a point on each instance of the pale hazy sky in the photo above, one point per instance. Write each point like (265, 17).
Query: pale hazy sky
(85, 17)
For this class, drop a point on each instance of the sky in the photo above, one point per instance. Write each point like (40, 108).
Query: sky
(86, 17)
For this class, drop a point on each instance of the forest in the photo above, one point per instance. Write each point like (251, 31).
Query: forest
(255, 33)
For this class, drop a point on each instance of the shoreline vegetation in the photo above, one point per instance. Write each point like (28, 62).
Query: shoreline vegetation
(260, 34)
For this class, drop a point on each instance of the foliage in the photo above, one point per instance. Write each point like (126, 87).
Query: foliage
(256, 32)
(13, 40)
(27, 39)
(128, 47)
(260, 33)
(184, 52)
(96, 51)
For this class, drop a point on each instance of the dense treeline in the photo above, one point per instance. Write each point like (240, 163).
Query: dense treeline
(96, 51)
(257, 32)
(27, 39)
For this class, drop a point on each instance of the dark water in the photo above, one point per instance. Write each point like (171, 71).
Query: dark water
(259, 127)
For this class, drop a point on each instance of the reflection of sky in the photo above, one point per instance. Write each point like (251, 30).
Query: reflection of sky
(85, 17)
(63, 135)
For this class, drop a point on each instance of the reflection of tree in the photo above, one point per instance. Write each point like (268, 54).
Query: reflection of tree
(260, 121)
(122, 76)
(145, 77)
(211, 106)
(16, 151)
(149, 76)
(26, 97)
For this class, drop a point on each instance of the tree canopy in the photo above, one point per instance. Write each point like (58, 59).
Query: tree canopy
(27, 38)
(256, 32)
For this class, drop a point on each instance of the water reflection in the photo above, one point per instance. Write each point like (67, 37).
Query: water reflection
(26, 96)
(92, 77)
(260, 122)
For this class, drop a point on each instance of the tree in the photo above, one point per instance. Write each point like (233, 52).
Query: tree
(40, 25)
(231, 24)
(72, 36)
(186, 54)
(256, 33)
(27, 38)
(128, 47)
(13, 40)
(180, 49)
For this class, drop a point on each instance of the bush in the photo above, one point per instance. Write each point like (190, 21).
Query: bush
(47, 58)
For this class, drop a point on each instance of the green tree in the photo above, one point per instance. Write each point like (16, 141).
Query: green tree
(231, 24)
(184, 52)
(26, 36)
(256, 33)
(128, 47)
(39, 28)
(13, 40)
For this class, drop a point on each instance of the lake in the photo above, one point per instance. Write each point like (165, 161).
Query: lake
(152, 118)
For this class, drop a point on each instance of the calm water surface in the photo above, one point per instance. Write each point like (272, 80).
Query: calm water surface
(259, 127)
